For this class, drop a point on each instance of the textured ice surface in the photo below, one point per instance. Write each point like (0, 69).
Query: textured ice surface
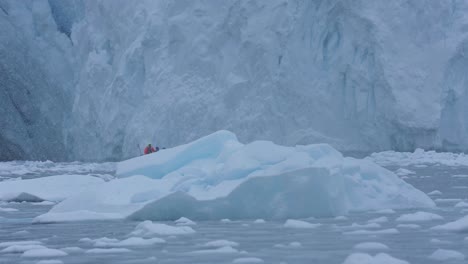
(217, 177)
(355, 74)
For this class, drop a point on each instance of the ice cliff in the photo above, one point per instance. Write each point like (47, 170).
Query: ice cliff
(90, 80)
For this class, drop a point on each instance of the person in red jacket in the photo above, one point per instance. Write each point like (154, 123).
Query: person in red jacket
(149, 149)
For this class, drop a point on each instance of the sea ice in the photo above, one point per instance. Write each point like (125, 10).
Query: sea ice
(108, 250)
(43, 253)
(460, 225)
(389, 231)
(215, 177)
(419, 217)
(221, 243)
(446, 255)
(291, 223)
(370, 246)
(148, 228)
(247, 260)
(381, 258)
(221, 250)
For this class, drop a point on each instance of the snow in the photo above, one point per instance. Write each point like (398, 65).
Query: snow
(148, 228)
(460, 225)
(221, 243)
(53, 188)
(446, 255)
(43, 253)
(404, 172)
(381, 258)
(412, 226)
(128, 242)
(389, 231)
(15, 243)
(248, 260)
(214, 177)
(50, 261)
(418, 158)
(4, 209)
(371, 246)
(419, 217)
(381, 219)
(291, 223)
(108, 251)
(221, 250)
(20, 248)
(184, 221)
(259, 221)
(435, 192)
(461, 204)
(293, 244)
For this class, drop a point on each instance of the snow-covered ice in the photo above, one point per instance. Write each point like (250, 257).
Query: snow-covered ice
(248, 260)
(292, 223)
(371, 246)
(419, 217)
(446, 255)
(108, 251)
(52, 188)
(380, 258)
(460, 225)
(43, 253)
(148, 228)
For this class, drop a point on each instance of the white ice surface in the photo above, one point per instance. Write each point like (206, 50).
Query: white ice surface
(216, 176)
(446, 255)
(380, 258)
(248, 260)
(292, 223)
(149, 229)
(371, 246)
(460, 225)
(43, 253)
(53, 188)
(419, 217)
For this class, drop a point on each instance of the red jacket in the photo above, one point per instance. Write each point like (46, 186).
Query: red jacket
(148, 150)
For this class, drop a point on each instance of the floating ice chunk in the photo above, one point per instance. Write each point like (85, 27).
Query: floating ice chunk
(247, 260)
(52, 188)
(461, 204)
(225, 220)
(20, 248)
(446, 255)
(221, 243)
(370, 246)
(148, 228)
(221, 250)
(44, 253)
(381, 258)
(50, 261)
(294, 244)
(215, 177)
(438, 241)
(3, 209)
(460, 225)
(381, 219)
(419, 217)
(385, 211)
(413, 226)
(44, 203)
(24, 242)
(389, 231)
(184, 221)
(418, 158)
(453, 200)
(435, 192)
(22, 232)
(360, 226)
(404, 172)
(291, 223)
(129, 242)
(259, 221)
(460, 176)
(341, 218)
(72, 249)
(108, 250)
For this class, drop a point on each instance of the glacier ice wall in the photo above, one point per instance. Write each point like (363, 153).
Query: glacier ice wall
(360, 75)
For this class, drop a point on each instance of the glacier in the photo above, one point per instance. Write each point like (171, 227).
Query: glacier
(217, 177)
(94, 79)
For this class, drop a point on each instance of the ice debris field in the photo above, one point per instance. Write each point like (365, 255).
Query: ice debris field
(216, 200)
(218, 177)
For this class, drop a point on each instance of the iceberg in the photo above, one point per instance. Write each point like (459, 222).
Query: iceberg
(217, 177)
